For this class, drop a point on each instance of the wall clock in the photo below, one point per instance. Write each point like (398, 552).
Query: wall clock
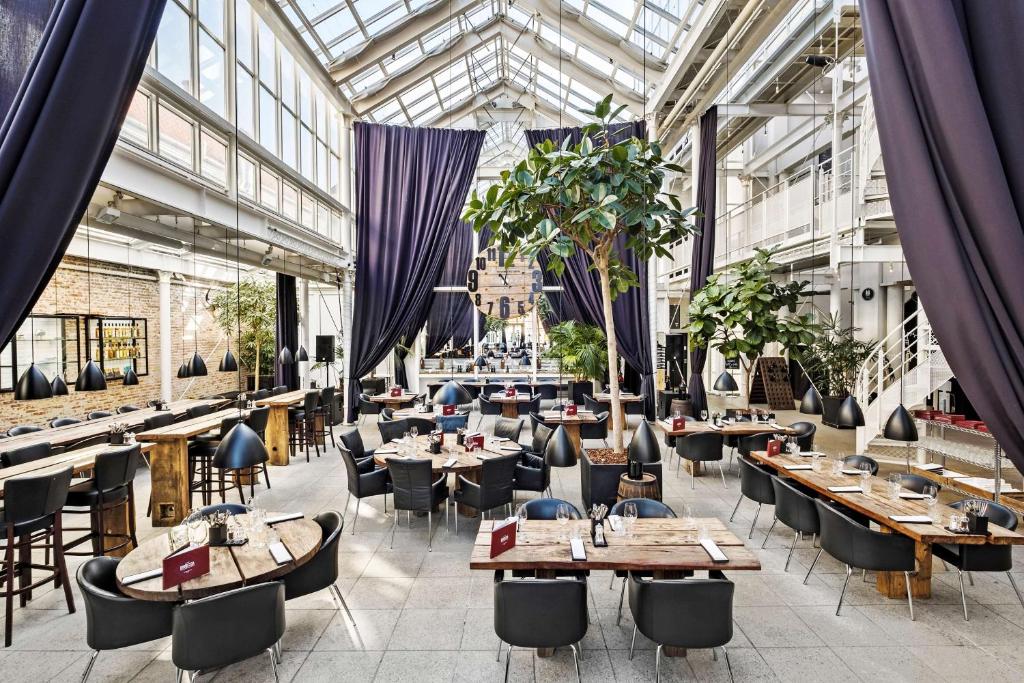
(867, 294)
(503, 291)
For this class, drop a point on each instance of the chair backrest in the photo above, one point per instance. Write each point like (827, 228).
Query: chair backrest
(327, 398)
(35, 497)
(227, 424)
(646, 508)
(548, 392)
(855, 461)
(917, 483)
(508, 427)
(230, 508)
(351, 470)
(531, 406)
(309, 402)
(755, 442)
(491, 388)
(113, 620)
(387, 414)
(592, 405)
(547, 508)
(541, 434)
(700, 446)
(997, 514)
(64, 421)
(94, 440)
(19, 456)
(691, 613)
(856, 545)
(488, 407)
(794, 508)
(422, 424)
(228, 628)
(540, 612)
(804, 434)
(199, 411)
(353, 441)
(523, 388)
(368, 407)
(258, 419)
(98, 414)
(389, 431)
(116, 469)
(278, 390)
(157, 421)
(595, 430)
(17, 430)
(322, 570)
(411, 479)
(497, 480)
(449, 424)
(756, 483)
(128, 408)
(261, 394)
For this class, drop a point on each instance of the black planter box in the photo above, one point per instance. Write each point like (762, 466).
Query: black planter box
(600, 483)
(830, 411)
(579, 387)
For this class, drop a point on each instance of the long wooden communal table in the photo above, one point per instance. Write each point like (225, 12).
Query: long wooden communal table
(625, 398)
(572, 424)
(667, 548)
(277, 423)
(736, 429)
(509, 404)
(168, 464)
(69, 435)
(80, 460)
(878, 506)
(393, 402)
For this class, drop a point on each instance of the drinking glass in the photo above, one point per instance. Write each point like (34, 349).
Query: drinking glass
(703, 532)
(177, 536)
(704, 416)
(837, 467)
(414, 431)
(687, 515)
(521, 515)
(865, 477)
(562, 515)
(629, 515)
(198, 531)
(931, 496)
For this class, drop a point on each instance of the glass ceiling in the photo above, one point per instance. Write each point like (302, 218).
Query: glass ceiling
(411, 62)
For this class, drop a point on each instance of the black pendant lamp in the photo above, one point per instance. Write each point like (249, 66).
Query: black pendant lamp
(183, 371)
(644, 446)
(850, 414)
(59, 386)
(241, 447)
(228, 362)
(302, 356)
(810, 404)
(130, 378)
(286, 357)
(900, 426)
(91, 378)
(559, 451)
(726, 383)
(196, 365)
(32, 385)
(452, 393)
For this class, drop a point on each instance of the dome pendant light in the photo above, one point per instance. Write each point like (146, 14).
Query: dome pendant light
(91, 378)
(302, 356)
(237, 447)
(130, 378)
(452, 393)
(850, 414)
(810, 404)
(559, 451)
(183, 371)
(726, 383)
(32, 385)
(900, 426)
(228, 362)
(59, 386)
(286, 356)
(196, 366)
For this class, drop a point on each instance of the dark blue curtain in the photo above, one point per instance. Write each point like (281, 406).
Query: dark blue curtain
(58, 133)
(287, 331)
(411, 185)
(580, 298)
(949, 99)
(22, 23)
(702, 260)
(451, 311)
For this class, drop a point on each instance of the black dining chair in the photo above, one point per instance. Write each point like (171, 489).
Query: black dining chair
(685, 613)
(386, 414)
(325, 414)
(508, 428)
(352, 441)
(527, 407)
(987, 557)
(31, 517)
(227, 628)
(540, 613)
(795, 509)
(99, 414)
(260, 394)
(164, 419)
(111, 486)
(321, 571)
(302, 425)
(855, 462)
(487, 407)
(127, 408)
(495, 488)
(700, 447)
(198, 411)
(646, 508)
(548, 393)
(392, 431)
(917, 483)
(230, 508)
(755, 484)
(279, 389)
(595, 430)
(532, 472)
(112, 619)
(364, 481)
(367, 407)
(422, 424)
(547, 509)
(18, 430)
(64, 421)
(745, 445)
(859, 547)
(257, 422)
(20, 456)
(595, 406)
(416, 490)
(804, 434)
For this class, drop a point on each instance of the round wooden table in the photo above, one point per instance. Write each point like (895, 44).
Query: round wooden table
(230, 567)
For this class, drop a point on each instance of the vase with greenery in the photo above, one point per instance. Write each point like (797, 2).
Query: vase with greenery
(590, 196)
(582, 350)
(742, 311)
(249, 310)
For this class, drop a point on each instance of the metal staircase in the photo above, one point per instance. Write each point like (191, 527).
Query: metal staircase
(907, 366)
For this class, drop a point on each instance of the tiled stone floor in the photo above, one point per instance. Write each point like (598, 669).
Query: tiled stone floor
(426, 617)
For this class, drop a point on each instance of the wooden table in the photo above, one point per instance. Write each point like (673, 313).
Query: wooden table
(393, 401)
(624, 399)
(878, 506)
(664, 547)
(572, 424)
(509, 404)
(169, 467)
(403, 413)
(80, 460)
(277, 423)
(230, 567)
(467, 464)
(961, 482)
(735, 429)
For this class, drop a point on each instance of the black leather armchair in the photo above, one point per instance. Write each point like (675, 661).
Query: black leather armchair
(393, 430)
(917, 483)
(321, 571)
(700, 447)
(595, 406)
(352, 441)
(547, 508)
(987, 557)
(795, 509)
(531, 406)
(537, 613)
(228, 628)
(364, 481)
(646, 508)
(367, 407)
(805, 434)
(496, 486)
(859, 547)
(855, 461)
(508, 428)
(416, 490)
(114, 620)
(685, 613)
(487, 407)
(755, 442)
(755, 484)
(63, 421)
(595, 430)
(20, 456)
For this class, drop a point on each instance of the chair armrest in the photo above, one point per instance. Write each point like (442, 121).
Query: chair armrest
(364, 465)
(468, 492)
(531, 460)
(377, 480)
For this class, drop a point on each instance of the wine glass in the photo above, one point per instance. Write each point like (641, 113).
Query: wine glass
(521, 515)
(704, 415)
(931, 497)
(629, 516)
(414, 431)
(562, 515)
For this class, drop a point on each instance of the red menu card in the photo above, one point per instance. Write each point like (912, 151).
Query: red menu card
(186, 565)
(774, 447)
(571, 409)
(510, 392)
(477, 440)
(396, 391)
(678, 424)
(448, 409)
(503, 537)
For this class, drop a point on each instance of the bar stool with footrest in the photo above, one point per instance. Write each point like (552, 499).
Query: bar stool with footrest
(111, 487)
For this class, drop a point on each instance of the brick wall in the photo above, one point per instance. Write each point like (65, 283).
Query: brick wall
(68, 292)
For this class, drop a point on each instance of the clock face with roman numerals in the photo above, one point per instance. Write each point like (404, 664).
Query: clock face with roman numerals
(503, 291)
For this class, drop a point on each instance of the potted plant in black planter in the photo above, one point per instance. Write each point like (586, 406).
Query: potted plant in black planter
(600, 471)
(832, 362)
(582, 351)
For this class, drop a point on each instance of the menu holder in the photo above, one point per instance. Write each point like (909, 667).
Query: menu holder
(577, 550)
(678, 424)
(448, 410)
(396, 391)
(774, 447)
(911, 519)
(712, 549)
(503, 537)
(845, 489)
(910, 495)
(793, 468)
(280, 553)
(186, 565)
(571, 410)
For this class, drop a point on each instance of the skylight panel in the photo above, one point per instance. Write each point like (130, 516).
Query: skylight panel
(622, 8)
(346, 43)
(404, 57)
(386, 19)
(591, 59)
(367, 78)
(386, 110)
(608, 21)
(314, 8)
(418, 107)
(519, 16)
(335, 25)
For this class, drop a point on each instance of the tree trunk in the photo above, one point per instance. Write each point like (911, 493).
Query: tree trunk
(613, 355)
(256, 385)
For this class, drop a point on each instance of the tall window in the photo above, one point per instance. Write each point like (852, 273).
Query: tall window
(191, 49)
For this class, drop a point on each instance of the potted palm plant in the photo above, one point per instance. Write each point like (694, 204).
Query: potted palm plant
(582, 351)
(832, 362)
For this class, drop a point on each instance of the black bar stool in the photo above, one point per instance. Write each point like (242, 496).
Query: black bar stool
(110, 487)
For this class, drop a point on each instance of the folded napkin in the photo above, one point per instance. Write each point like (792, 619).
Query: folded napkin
(712, 549)
(142, 576)
(714, 428)
(499, 439)
(386, 451)
(285, 517)
(775, 426)
(280, 553)
(799, 467)
(511, 449)
(577, 550)
(811, 454)
(911, 519)
(911, 495)
(853, 472)
(845, 489)
(929, 467)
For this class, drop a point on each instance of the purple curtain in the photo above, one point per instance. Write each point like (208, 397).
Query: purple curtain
(702, 261)
(450, 312)
(581, 296)
(287, 331)
(58, 133)
(949, 103)
(411, 185)
(21, 28)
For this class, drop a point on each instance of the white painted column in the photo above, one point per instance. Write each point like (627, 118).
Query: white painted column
(166, 334)
(304, 331)
(893, 317)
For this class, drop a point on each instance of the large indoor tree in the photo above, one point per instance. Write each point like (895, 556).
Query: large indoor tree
(740, 312)
(594, 196)
(249, 310)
